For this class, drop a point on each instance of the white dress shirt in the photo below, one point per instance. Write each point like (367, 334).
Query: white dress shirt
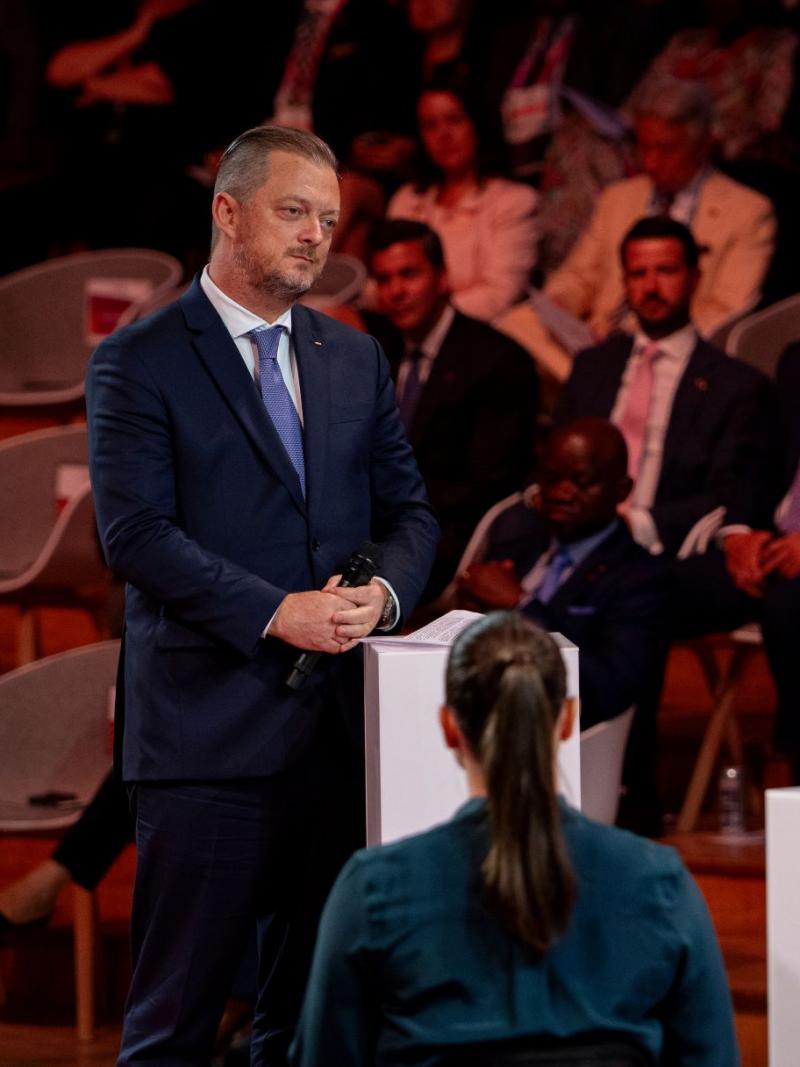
(239, 322)
(668, 370)
(429, 349)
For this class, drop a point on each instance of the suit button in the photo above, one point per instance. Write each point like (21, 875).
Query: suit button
(315, 545)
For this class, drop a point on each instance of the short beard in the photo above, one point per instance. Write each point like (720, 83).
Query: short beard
(280, 284)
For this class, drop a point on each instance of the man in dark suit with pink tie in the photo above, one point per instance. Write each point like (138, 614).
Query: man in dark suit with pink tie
(691, 415)
(242, 447)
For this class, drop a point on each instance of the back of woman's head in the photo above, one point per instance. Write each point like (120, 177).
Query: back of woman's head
(506, 686)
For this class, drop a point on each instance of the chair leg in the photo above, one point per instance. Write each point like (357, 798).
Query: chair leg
(720, 723)
(85, 933)
(26, 637)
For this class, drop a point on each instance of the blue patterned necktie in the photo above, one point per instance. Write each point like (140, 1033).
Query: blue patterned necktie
(552, 578)
(412, 388)
(277, 399)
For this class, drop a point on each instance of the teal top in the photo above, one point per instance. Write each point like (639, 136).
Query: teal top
(410, 960)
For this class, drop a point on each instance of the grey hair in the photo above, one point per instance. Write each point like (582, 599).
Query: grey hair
(688, 103)
(244, 166)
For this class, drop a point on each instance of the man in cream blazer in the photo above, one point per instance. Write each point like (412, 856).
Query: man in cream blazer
(733, 224)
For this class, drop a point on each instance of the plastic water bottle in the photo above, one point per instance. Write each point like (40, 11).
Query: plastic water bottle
(732, 801)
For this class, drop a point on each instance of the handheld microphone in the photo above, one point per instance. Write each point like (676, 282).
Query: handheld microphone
(359, 570)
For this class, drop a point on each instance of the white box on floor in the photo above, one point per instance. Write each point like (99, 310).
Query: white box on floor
(413, 781)
(783, 926)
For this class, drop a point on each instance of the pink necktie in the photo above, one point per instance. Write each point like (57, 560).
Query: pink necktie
(633, 421)
(790, 523)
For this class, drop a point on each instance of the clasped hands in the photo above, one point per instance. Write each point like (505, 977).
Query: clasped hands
(752, 557)
(332, 619)
(492, 584)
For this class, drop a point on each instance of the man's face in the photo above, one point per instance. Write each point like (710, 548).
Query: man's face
(577, 494)
(283, 232)
(670, 154)
(411, 291)
(658, 284)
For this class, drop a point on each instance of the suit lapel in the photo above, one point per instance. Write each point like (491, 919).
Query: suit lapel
(441, 380)
(693, 390)
(596, 564)
(610, 367)
(221, 357)
(313, 354)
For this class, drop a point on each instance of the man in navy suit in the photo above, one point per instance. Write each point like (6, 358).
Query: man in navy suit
(754, 574)
(691, 416)
(569, 562)
(241, 448)
(469, 394)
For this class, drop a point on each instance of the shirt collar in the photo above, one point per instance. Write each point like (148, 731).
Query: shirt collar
(433, 342)
(237, 319)
(676, 346)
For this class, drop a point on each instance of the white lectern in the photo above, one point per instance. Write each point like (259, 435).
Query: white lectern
(783, 925)
(413, 781)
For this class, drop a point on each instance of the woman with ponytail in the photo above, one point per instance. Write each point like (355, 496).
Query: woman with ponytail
(519, 918)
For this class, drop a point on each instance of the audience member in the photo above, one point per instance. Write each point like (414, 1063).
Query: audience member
(692, 419)
(468, 395)
(519, 918)
(568, 562)
(745, 57)
(733, 224)
(756, 575)
(485, 222)
(691, 416)
(83, 855)
(342, 81)
(444, 27)
(130, 94)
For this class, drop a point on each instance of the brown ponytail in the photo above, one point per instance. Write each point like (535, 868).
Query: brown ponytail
(506, 684)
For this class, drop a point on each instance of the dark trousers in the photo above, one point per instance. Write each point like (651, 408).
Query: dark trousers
(707, 601)
(92, 844)
(216, 859)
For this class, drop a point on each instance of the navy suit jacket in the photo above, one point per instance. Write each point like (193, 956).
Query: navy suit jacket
(716, 426)
(201, 511)
(612, 606)
(474, 427)
(759, 495)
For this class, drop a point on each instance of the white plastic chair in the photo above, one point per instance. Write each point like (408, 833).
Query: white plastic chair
(54, 738)
(602, 756)
(761, 338)
(341, 281)
(46, 341)
(49, 552)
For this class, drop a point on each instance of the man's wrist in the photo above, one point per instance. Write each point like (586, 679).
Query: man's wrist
(390, 614)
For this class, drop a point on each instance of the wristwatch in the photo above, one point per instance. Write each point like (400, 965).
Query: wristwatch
(387, 615)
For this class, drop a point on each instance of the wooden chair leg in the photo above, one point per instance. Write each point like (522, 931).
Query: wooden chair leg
(720, 724)
(26, 637)
(85, 932)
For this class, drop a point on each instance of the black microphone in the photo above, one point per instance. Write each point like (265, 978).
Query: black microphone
(359, 570)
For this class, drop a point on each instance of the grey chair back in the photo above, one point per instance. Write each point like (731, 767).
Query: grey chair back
(341, 281)
(158, 300)
(761, 338)
(45, 334)
(54, 736)
(29, 475)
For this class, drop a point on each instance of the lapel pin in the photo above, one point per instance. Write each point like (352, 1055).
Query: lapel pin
(318, 344)
(701, 384)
